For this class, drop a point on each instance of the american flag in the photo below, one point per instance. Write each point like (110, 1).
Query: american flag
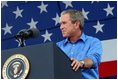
(100, 21)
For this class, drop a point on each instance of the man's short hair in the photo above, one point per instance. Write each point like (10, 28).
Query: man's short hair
(75, 15)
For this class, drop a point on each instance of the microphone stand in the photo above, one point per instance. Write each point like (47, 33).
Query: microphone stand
(21, 40)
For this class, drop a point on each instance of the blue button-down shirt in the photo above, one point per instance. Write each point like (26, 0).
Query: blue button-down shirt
(85, 47)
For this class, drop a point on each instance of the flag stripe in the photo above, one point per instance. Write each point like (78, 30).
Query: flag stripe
(109, 50)
(107, 69)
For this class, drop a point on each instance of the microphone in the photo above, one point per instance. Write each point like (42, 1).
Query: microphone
(26, 34)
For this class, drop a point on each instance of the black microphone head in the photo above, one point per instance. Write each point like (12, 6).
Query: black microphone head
(33, 32)
(26, 34)
(21, 33)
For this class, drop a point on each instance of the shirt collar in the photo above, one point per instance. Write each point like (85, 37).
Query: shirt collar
(66, 40)
(83, 38)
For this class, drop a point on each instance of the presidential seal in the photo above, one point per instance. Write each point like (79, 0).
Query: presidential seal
(16, 67)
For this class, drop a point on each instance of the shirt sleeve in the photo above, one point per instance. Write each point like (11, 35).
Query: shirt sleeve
(95, 52)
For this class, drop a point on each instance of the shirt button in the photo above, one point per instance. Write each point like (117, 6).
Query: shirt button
(73, 45)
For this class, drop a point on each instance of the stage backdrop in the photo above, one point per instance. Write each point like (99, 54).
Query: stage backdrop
(100, 21)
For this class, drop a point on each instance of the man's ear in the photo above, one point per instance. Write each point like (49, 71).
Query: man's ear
(77, 23)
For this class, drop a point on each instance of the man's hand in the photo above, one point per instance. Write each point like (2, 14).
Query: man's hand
(88, 63)
(76, 64)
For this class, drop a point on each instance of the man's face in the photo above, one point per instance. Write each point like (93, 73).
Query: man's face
(67, 27)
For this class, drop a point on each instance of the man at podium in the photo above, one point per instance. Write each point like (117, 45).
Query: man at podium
(84, 51)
